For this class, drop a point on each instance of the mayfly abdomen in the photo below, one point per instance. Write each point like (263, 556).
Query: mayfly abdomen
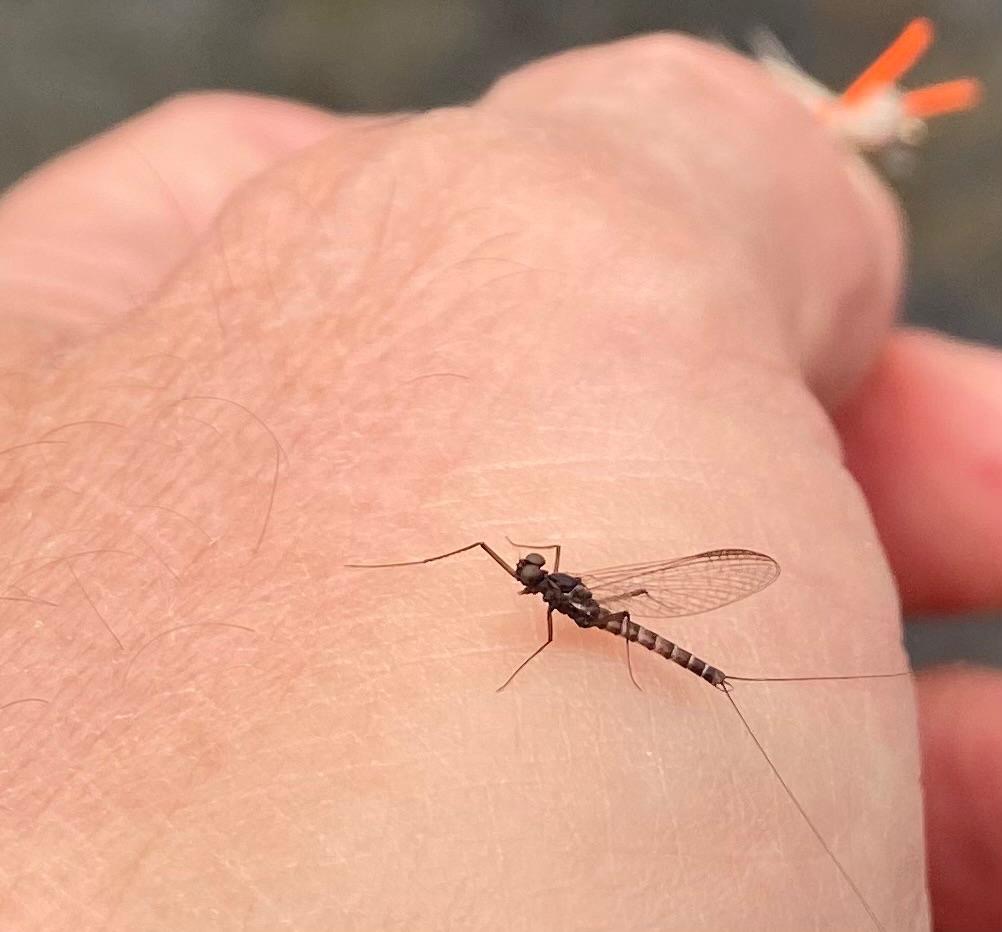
(620, 623)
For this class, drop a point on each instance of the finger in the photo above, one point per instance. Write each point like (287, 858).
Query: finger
(738, 165)
(94, 231)
(923, 436)
(962, 769)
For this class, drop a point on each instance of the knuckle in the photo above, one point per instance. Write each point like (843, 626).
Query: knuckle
(641, 62)
(189, 108)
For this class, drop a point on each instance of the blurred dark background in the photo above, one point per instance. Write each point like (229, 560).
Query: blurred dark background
(70, 69)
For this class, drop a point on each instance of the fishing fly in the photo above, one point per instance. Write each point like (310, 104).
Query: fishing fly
(607, 599)
(874, 113)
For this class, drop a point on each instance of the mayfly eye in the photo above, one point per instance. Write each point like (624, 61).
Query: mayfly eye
(534, 559)
(532, 574)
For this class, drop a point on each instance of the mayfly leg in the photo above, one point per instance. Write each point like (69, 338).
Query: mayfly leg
(510, 570)
(549, 612)
(536, 652)
(554, 547)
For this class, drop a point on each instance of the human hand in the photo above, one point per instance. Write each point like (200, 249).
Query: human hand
(638, 259)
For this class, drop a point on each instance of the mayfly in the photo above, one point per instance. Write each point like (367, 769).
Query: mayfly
(873, 113)
(608, 598)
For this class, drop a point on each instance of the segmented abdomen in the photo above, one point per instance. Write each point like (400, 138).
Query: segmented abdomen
(618, 624)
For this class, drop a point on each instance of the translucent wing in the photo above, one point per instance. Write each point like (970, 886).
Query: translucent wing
(686, 586)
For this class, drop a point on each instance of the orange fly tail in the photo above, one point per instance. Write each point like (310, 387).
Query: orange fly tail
(947, 97)
(893, 62)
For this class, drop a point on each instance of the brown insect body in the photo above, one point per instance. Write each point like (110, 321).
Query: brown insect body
(568, 595)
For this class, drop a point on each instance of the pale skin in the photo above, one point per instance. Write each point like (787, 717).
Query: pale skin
(612, 304)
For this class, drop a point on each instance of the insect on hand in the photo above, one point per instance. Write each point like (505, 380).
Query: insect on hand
(606, 599)
(873, 113)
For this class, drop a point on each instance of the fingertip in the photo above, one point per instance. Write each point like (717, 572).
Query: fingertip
(961, 734)
(923, 437)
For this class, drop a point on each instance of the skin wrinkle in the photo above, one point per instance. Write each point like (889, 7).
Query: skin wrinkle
(117, 503)
(216, 239)
(729, 255)
(288, 250)
(173, 511)
(171, 378)
(382, 227)
(54, 430)
(65, 558)
(170, 198)
(163, 634)
(30, 444)
(15, 702)
(415, 298)
(27, 598)
(104, 621)
(279, 456)
(125, 878)
(52, 562)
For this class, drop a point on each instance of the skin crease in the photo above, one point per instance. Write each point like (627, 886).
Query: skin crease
(547, 316)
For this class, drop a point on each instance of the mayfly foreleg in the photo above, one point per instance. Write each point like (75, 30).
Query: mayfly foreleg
(554, 547)
(510, 570)
(536, 652)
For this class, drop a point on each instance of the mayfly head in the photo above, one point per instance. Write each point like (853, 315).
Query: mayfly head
(529, 570)
(874, 113)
